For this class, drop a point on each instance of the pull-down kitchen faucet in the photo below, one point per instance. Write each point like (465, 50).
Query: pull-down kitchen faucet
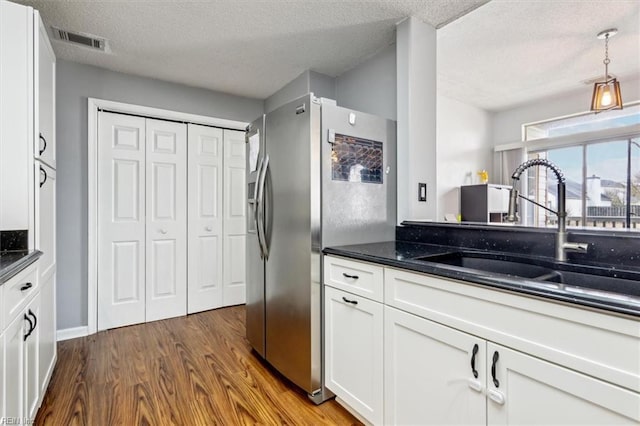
(562, 245)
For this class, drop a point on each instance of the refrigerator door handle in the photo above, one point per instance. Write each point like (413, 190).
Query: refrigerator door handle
(260, 215)
(254, 200)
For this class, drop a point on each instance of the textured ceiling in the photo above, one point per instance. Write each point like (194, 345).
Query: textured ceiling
(506, 53)
(244, 47)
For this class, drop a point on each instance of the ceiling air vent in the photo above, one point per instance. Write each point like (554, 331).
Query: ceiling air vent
(80, 39)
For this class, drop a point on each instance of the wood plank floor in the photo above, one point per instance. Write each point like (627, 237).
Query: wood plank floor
(194, 370)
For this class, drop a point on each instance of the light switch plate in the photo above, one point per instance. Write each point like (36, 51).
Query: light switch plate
(422, 192)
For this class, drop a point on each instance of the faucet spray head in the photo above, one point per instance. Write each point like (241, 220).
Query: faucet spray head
(513, 198)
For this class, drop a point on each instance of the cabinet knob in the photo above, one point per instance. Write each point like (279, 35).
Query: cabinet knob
(163, 231)
(208, 228)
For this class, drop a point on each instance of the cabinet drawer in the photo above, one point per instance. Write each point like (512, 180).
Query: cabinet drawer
(576, 338)
(363, 279)
(18, 290)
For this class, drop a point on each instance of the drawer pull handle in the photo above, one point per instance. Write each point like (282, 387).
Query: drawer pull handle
(30, 328)
(26, 287)
(44, 148)
(35, 319)
(473, 360)
(496, 356)
(43, 172)
(353, 302)
(353, 277)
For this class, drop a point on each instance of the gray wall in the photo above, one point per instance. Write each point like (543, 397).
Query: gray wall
(309, 81)
(371, 86)
(75, 83)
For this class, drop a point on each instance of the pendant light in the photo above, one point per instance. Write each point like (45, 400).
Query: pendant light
(606, 93)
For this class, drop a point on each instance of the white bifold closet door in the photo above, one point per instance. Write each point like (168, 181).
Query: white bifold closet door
(166, 234)
(235, 222)
(121, 220)
(205, 218)
(142, 220)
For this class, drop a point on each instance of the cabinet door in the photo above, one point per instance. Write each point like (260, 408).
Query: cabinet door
(47, 336)
(121, 220)
(235, 218)
(45, 147)
(16, 115)
(353, 351)
(166, 226)
(428, 373)
(13, 393)
(46, 218)
(205, 218)
(31, 354)
(528, 390)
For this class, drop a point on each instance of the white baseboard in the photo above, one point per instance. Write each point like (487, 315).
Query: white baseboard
(72, 333)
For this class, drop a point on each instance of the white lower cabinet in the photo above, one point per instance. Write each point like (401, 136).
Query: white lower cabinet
(429, 373)
(13, 386)
(461, 354)
(353, 352)
(31, 354)
(47, 334)
(528, 390)
(27, 346)
(429, 379)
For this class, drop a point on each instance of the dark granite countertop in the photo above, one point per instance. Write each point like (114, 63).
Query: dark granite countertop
(400, 254)
(13, 262)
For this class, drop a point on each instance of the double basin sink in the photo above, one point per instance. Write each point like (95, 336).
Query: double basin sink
(569, 279)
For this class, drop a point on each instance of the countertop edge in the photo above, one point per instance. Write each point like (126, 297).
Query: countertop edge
(483, 280)
(18, 266)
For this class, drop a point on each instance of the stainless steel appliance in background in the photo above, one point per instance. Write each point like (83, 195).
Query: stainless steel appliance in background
(318, 175)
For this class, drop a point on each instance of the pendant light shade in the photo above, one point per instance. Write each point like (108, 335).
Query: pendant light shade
(606, 93)
(606, 96)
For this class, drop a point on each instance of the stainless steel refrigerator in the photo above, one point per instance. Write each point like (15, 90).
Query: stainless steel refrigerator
(318, 175)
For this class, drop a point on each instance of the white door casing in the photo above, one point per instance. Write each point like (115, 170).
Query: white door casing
(205, 154)
(166, 225)
(121, 220)
(235, 221)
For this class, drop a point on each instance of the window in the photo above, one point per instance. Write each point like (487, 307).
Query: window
(602, 184)
(583, 123)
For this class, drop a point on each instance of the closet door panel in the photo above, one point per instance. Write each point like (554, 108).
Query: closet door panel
(235, 203)
(121, 220)
(205, 218)
(166, 219)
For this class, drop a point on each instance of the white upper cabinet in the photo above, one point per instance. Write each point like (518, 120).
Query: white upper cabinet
(16, 115)
(45, 117)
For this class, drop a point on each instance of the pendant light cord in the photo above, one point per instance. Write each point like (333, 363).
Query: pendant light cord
(606, 57)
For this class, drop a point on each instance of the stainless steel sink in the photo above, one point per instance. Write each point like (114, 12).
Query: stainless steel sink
(602, 285)
(579, 282)
(488, 263)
